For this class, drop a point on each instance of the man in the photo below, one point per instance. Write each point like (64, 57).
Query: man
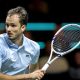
(17, 52)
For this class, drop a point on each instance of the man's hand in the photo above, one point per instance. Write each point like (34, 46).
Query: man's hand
(38, 74)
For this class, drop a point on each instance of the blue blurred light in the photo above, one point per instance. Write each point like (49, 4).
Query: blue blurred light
(2, 26)
(42, 45)
(41, 26)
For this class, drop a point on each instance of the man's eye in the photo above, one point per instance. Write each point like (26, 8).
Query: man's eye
(13, 25)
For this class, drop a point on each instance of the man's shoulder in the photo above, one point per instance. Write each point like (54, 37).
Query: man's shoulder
(2, 42)
(1, 37)
(32, 43)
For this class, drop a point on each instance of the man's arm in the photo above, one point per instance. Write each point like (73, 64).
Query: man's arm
(38, 74)
(15, 77)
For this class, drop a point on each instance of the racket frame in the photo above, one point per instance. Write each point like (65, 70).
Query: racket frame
(44, 68)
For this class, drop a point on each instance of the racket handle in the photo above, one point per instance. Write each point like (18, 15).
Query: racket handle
(45, 67)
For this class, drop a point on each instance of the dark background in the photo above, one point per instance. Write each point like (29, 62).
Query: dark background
(59, 11)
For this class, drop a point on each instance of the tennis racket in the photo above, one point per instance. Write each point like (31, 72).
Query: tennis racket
(66, 39)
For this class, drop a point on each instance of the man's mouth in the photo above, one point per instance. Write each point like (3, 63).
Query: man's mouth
(9, 34)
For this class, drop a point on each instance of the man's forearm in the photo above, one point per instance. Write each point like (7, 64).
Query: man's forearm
(15, 77)
(38, 74)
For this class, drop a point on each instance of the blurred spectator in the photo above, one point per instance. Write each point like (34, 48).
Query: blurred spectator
(39, 11)
(38, 6)
(75, 68)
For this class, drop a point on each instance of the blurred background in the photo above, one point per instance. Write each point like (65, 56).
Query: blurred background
(45, 18)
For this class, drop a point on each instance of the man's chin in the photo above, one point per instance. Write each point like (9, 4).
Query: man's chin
(11, 38)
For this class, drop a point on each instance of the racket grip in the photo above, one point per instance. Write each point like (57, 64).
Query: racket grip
(45, 67)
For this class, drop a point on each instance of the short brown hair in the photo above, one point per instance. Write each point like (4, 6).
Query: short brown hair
(23, 15)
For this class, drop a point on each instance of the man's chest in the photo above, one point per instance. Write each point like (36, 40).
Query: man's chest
(15, 59)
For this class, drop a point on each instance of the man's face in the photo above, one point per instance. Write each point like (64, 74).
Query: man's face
(13, 27)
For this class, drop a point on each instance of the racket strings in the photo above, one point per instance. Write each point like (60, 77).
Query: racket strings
(59, 42)
(64, 40)
(73, 36)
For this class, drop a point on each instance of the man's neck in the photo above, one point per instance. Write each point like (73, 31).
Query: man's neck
(18, 41)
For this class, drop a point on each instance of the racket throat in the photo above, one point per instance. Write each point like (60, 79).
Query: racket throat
(58, 55)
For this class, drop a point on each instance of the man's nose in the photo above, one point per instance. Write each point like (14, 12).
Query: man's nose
(9, 28)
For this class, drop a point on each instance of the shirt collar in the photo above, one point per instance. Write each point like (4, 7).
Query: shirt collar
(9, 42)
(26, 43)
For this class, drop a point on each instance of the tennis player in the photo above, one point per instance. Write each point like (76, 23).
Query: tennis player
(17, 52)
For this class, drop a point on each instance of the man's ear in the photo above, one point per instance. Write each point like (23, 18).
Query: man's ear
(23, 28)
